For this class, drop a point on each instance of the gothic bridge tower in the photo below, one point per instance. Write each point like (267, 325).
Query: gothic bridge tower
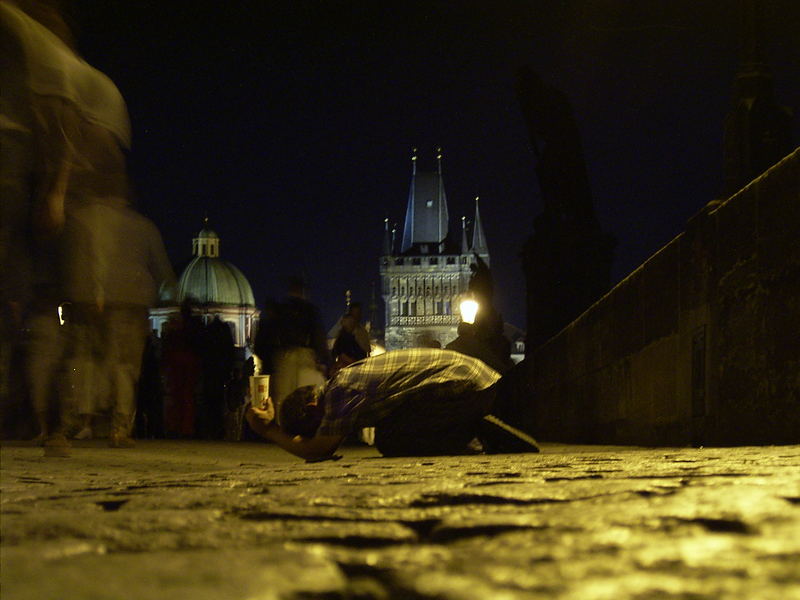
(425, 279)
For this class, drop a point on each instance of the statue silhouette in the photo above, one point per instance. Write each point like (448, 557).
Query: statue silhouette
(567, 261)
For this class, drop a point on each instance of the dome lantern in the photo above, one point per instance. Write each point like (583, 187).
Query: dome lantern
(206, 243)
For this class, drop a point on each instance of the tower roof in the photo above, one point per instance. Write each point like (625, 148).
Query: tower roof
(479, 244)
(207, 233)
(387, 239)
(426, 214)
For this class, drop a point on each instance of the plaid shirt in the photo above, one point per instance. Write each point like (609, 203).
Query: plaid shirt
(365, 392)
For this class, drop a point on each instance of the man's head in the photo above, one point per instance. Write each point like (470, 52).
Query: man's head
(301, 411)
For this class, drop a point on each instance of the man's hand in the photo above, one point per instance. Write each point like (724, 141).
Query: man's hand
(259, 418)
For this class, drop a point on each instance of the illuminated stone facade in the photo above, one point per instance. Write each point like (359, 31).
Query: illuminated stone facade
(424, 282)
(216, 288)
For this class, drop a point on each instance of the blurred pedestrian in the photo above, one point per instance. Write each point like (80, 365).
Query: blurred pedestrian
(294, 344)
(117, 269)
(346, 349)
(33, 172)
(78, 211)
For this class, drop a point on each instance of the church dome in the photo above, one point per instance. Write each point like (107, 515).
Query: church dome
(208, 279)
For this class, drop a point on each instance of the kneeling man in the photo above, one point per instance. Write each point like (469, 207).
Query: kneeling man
(421, 402)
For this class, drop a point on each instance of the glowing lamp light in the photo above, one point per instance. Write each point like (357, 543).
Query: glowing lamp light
(469, 308)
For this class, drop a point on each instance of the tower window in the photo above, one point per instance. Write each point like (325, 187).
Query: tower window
(414, 261)
(413, 309)
(404, 309)
(433, 261)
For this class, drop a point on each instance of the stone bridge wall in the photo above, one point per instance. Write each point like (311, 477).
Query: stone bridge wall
(699, 345)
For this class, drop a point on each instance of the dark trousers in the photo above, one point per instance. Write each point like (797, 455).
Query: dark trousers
(438, 420)
(443, 419)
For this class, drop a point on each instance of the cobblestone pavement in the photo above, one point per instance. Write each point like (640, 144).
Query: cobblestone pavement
(243, 521)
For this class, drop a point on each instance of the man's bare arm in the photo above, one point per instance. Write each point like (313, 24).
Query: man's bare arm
(321, 446)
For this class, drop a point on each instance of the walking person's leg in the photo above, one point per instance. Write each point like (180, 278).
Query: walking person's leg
(127, 329)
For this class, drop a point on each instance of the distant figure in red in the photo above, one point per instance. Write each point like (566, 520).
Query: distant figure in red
(182, 363)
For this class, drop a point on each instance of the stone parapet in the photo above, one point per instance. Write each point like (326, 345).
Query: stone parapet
(700, 344)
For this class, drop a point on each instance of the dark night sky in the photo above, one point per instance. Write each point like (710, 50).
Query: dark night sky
(290, 123)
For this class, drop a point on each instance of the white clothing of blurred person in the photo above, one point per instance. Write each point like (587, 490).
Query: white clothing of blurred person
(118, 269)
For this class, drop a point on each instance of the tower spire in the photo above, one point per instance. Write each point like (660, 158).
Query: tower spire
(408, 230)
(426, 222)
(387, 238)
(478, 237)
(441, 201)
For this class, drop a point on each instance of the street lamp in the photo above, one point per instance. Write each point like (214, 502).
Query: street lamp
(469, 308)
